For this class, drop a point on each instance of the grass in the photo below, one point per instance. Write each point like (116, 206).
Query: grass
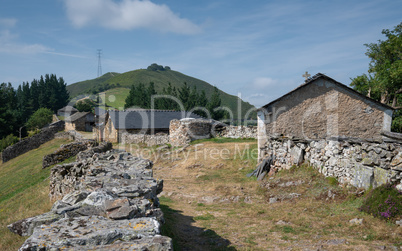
(116, 97)
(222, 140)
(24, 190)
(311, 220)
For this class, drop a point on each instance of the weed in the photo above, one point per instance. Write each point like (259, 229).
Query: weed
(204, 217)
(332, 181)
(165, 200)
(384, 202)
(288, 230)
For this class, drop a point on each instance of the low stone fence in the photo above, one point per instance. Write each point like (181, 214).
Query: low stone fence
(69, 150)
(146, 139)
(359, 163)
(108, 201)
(46, 134)
(239, 132)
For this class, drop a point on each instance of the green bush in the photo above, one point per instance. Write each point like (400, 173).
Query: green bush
(8, 141)
(383, 202)
(40, 118)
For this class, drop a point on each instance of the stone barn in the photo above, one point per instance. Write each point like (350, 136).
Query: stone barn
(324, 108)
(80, 121)
(334, 129)
(139, 121)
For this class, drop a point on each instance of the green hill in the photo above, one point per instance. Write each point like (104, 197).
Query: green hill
(161, 77)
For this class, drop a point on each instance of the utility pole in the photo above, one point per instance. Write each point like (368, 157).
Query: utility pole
(99, 63)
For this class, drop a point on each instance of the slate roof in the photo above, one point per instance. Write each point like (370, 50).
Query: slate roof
(76, 116)
(67, 108)
(147, 119)
(99, 111)
(323, 76)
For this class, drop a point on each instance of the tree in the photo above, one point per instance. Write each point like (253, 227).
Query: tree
(384, 81)
(213, 105)
(85, 105)
(385, 67)
(40, 118)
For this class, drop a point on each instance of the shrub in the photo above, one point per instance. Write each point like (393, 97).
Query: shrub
(40, 118)
(8, 141)
(384, 202)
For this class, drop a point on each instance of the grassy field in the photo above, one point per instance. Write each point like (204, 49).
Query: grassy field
(116, 97)
(210, 204)
(24, 190)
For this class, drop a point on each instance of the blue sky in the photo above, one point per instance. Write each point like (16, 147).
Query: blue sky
(257, 48)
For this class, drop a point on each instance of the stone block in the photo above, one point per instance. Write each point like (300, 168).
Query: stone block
(382, 176)
(362, 176)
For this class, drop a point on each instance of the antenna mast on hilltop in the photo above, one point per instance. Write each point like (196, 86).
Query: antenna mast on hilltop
(99, 63)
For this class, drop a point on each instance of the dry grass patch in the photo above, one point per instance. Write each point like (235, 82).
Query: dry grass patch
(208, 193)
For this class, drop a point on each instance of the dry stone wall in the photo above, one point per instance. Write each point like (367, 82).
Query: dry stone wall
(145, 139)
(105, 201)
(358, 163)
(69, 150)
(239, 132)
(46, 134)
(184, 131)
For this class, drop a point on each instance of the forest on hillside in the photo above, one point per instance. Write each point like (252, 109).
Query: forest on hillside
(17, 106)
(185, 98)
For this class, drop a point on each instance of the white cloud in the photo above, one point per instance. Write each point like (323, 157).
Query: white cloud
(127, 15)
(7, 22)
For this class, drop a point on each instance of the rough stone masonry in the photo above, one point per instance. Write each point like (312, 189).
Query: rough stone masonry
(105, 201)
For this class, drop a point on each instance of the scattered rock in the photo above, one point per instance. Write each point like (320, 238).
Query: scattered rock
(273, 200)
(356, 221)
(281, 222)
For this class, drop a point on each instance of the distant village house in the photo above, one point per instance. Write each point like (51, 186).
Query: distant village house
(137, 121)
(66, 111)
(80, 121)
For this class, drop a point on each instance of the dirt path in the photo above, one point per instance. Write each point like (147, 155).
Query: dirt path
(210, 204)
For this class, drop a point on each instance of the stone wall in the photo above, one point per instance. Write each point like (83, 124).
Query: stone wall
(358, 163)
(322, 109)
(184, 131)
(239, 132)
(107, 201)
(46, 134)
(69, 150)
(145, 139)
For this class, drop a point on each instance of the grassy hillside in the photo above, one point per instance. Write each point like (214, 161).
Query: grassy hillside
(84, 87)
(161, 80)
(24, 190)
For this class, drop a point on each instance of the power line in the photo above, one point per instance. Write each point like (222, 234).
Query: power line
(99, 63)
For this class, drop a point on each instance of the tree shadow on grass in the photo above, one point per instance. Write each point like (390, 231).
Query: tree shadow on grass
(187, 237)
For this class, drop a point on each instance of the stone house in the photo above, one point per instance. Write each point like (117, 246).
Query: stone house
(66, 111)
(138, 121)
(80, 121)
(323, 108)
